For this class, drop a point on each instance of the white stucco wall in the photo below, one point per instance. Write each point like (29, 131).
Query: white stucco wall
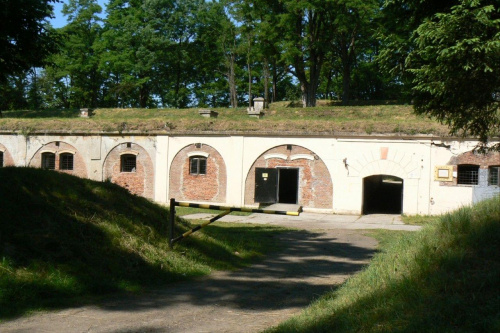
(412, 160)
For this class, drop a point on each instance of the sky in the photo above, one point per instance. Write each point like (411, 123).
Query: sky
(60, 21)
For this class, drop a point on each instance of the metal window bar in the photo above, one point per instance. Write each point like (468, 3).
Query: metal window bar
(128, 163)
(49, 161)
(494, 175)
(468, 174)
(66, 162)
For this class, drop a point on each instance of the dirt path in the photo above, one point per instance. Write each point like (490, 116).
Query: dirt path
(248, 300)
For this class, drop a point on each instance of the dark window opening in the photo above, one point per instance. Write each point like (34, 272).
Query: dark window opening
(128, 163)
(198, 165)
(66, 161)
(1, 159)
(382, 194)
(49, 161)
(494, 175)
(288, 185)
(467, 174)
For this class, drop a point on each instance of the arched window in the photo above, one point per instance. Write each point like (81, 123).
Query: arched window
(1, 159)
(66, 161)
(49, 161)
(198, 165)
(467, 174)
(128, 163)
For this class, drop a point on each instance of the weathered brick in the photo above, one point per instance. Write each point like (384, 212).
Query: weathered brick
(141, 181)
(210, 187)
(315, 183)
(79, 165)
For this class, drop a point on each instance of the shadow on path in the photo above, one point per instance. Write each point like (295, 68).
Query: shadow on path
(247, 300)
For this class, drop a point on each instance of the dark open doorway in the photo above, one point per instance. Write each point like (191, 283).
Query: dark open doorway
(382, 194)
(288, 185)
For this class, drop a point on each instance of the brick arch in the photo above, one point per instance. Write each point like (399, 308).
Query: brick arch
(58, 148)
(315, 181)
(471, 157)
(141, 181)
(210, 187)
(7, 157)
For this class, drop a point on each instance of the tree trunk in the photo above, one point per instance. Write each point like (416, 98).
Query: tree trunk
(266, 82)
(249, 84)
(346, 83)
(143, 96)
(233, 97)
(274, 97)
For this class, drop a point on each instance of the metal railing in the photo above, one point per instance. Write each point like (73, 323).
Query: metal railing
(226, 210)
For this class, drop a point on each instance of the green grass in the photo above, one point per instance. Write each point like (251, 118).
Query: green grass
(445, 278)
(420, 219)
(66, 240)
(279, 118)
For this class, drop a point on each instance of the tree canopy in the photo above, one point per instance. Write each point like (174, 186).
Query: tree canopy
(25, 37)
(441, 55)
(456, 67)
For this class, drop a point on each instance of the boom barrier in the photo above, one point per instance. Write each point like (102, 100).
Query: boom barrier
(226, 210)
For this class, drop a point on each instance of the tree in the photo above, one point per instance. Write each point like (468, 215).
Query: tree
(306, 29)
(25, 36)
(127, 46)
(456, 68)
(80, 61)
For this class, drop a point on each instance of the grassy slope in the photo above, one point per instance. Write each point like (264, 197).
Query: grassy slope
(63, 239)
(443, 279)
(398, 119)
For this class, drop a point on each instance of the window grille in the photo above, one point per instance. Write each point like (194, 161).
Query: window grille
(198, 165)
(1, 159)
(468, 174)
(66, 161)
(494, 175)
(128, 163)
(49, 161)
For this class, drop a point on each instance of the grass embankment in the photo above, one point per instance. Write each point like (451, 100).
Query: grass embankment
(445, 278)
(65, 240)
(396, 119)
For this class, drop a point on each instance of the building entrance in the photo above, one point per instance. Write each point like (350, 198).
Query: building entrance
(382, 194)
(276, 185)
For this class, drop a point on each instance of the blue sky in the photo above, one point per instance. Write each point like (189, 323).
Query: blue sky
(60, 21)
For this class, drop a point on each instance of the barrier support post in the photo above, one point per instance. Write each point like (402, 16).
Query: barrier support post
(171, 222)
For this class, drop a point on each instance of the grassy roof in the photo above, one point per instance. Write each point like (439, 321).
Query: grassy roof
(278, 119)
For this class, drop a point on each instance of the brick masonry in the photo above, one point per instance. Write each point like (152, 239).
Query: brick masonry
(140, 181)
(210, 187)
(315, 183)
(7, 157)
(484, 161)
(59, 147)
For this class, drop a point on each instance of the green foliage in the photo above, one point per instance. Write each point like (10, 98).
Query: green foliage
(442, 279)
(456, 64)
(66, 240)
(25, 38)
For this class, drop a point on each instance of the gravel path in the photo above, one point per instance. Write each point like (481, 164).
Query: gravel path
(247, 300)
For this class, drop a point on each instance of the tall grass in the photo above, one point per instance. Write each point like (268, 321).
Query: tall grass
(445, 278)
(64, 240)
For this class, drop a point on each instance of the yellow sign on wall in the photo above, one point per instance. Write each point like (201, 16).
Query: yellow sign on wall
(443, 173)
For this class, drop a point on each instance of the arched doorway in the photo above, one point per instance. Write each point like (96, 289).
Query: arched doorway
(382, 194)
(289, 174)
